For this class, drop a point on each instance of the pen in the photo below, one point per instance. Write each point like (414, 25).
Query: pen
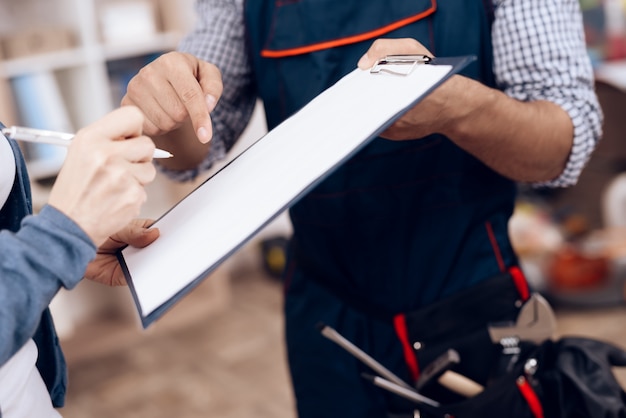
(42, 136)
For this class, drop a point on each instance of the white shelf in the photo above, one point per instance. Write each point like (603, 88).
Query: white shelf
(85, 80)
(77, 57)
(51, 61)
(160, 42)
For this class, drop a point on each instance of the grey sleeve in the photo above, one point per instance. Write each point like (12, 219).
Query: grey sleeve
(48, 252)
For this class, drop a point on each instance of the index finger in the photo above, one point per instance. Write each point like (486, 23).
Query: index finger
(137, 149)
(121, 123)
(200, 97)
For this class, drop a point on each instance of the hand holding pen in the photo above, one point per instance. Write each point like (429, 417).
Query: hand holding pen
(101, 183)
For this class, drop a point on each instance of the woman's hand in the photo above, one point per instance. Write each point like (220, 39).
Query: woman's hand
(105, 268)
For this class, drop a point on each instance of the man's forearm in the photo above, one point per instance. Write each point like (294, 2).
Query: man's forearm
(525, 141)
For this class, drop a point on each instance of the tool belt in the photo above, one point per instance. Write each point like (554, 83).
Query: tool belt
(493, 345)
(459, 323)
(517, 372)
(568, 378)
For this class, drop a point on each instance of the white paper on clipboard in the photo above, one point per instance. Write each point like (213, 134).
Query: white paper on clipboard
(223, 213)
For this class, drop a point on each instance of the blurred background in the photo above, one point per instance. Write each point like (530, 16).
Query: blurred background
(219, 351)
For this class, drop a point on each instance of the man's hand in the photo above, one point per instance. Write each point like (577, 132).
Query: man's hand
(527, 141)
(430, 115)
(105, 268)
(175, 89)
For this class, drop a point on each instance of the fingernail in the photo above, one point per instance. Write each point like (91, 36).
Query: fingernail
(203, 135)
(211, 101)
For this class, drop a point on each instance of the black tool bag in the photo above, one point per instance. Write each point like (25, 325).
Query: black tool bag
(460, 322)
(568, 378)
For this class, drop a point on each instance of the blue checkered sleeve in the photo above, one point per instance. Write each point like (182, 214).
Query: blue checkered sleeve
(218, 38)
(540, 54)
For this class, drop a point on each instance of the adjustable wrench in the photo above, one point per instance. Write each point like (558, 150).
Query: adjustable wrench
(535, 322)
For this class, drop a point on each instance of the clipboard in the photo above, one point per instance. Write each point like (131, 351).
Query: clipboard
(225, 211)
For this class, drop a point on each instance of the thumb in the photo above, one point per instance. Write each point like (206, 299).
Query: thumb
(137, 233)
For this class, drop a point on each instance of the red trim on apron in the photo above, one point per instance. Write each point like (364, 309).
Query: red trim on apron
(530, 396)
(494, 245)
(399, 323)
(268, 53)
(518, 277)
(520, 282)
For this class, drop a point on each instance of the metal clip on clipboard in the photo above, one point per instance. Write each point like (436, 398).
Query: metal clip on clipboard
(399, 64)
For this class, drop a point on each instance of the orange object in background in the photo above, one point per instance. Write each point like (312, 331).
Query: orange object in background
(615, 48)
(570, 269)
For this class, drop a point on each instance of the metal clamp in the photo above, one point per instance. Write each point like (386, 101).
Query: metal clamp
(399, 64)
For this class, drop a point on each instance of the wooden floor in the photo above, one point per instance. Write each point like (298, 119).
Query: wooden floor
(196, 361)
(227, 362)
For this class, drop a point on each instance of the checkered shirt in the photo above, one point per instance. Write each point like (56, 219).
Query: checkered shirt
(539, 54)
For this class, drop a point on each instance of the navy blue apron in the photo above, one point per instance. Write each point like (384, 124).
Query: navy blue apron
(50, 361)
(397, 227)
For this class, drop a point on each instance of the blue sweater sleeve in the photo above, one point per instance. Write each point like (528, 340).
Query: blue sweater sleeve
(48, 251)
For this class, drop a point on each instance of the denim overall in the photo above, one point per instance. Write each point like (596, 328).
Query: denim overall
(398, 226)
(50, 361)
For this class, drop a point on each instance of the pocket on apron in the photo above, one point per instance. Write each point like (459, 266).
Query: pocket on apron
(460, 322)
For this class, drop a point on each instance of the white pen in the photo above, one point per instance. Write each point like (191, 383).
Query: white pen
(42, 136)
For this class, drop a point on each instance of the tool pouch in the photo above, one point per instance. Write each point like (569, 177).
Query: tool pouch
(511, 395)
(460, 322)
(568, 378)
